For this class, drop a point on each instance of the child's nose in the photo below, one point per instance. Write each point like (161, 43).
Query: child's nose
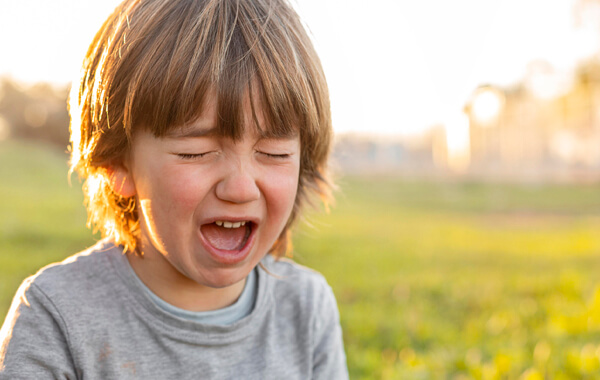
(238, 186)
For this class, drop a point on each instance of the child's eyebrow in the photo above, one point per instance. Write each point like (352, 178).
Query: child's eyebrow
(275, 137)
(271, 134)
(194, 131)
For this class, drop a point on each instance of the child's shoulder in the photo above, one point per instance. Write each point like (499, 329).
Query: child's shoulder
(295, 281)
(288, 270)
(86, 260)
(78, 274)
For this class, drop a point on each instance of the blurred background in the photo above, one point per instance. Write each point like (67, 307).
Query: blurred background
(465, 242)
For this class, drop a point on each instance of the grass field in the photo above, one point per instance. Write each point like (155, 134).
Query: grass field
(434, 281)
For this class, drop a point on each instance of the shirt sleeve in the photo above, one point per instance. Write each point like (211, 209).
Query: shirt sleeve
(329, 356)
(33, 339)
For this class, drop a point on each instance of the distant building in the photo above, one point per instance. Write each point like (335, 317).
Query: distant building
(532, 136)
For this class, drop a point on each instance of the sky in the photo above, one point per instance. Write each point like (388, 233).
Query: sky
(394, 67)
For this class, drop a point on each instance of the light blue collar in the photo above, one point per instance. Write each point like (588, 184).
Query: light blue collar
(221, 317)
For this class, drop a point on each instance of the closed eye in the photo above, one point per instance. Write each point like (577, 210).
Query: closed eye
(190, 156)
(277, 156)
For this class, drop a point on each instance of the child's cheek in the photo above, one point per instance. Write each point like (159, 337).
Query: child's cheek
(182, 187)
(282, 185)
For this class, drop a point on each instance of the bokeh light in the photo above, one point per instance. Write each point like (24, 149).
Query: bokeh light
(486, 105)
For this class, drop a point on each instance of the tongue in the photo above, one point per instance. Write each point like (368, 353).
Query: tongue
(227, 239)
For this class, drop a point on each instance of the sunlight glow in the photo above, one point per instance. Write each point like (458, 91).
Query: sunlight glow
(92, 185)
(545, 82)
(150, 223)
(458, 142)
(487, 104)
(111, 230)
(369, 82)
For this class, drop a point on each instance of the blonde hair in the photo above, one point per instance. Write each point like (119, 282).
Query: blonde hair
(153, 62)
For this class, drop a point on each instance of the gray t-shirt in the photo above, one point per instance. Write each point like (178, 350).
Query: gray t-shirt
(88, 317)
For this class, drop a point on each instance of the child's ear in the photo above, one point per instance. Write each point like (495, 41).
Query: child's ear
(121, 181)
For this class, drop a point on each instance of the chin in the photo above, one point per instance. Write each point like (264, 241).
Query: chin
(222, 278)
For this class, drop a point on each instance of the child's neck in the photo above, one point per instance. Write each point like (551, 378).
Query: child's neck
(180, 291)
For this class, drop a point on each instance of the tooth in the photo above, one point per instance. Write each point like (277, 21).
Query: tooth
(242, 224)
(219, 223)
(227, 224)
(237, 224)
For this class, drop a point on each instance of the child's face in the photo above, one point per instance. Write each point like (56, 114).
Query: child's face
(210, 208)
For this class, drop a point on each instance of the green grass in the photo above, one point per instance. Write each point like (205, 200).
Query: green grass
(42, 218)
(433, 280)
(463, 280)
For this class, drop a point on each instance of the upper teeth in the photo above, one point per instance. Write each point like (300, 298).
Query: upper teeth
(225, 224)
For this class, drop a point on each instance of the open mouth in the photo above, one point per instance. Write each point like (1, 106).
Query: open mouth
(227, 235)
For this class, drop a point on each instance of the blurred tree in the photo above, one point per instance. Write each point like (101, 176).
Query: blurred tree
(37, 112)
